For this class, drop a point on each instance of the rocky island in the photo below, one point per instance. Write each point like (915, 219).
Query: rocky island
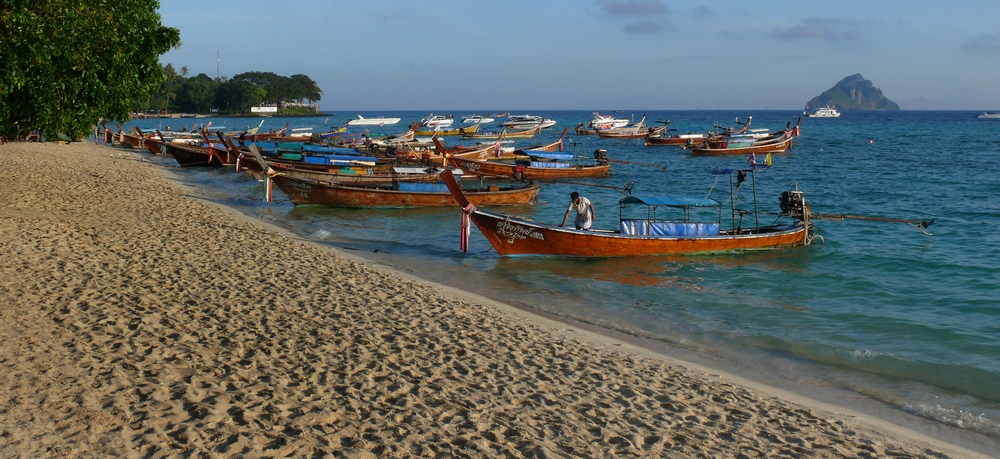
(853, 93)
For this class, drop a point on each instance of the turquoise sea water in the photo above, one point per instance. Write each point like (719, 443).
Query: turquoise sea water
(905, 321)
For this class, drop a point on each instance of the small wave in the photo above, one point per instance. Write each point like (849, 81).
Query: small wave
(958, 418)
(321, 235)
(865, 355)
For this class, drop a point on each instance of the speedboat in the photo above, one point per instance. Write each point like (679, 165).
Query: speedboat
(824, 112)
(476, 119)
(988, 116)
(606, 122)
(527, 122)
(437, 121)
(372, 121)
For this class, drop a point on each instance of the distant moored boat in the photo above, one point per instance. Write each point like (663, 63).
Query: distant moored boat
(824, 112)
(372, 121)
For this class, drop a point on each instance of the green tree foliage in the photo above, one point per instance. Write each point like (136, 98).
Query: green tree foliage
(65, 64)
(196, 95)
(237, 96)
(282, 89)
(303, 87)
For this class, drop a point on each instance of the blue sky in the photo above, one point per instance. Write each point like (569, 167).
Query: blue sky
(599, 54)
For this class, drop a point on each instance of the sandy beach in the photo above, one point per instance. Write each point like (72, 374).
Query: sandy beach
(139, 320)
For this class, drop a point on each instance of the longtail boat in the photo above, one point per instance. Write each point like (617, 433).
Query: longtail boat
(128, 139)
(441, 132)
(679, 140)
(648, 235)
(632, 131)
(385, 174)
(402, 193)
(213, 155)
(150, 143)
(769, 145)
(460, 149)
(333, 164)
(496, 151)
(506, 133)
(535, 165)
(747, 143)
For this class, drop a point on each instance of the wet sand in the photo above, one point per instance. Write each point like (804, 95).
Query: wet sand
(138, 319)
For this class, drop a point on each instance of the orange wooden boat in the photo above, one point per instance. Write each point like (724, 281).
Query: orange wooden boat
(256, 165)
(746, 144)
(381, 173)
(770, 145)
(511, 235)
(129, 139)
(189, 155)
(485, 152)
(528, 169)
(506, 133)
(403, 194)
(679, 140)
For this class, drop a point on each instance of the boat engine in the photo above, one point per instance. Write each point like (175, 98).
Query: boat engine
(601, 155)
(793, 203)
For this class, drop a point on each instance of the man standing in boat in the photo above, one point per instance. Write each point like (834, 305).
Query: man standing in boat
(584, 211)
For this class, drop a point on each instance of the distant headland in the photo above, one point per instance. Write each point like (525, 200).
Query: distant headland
(853, 93)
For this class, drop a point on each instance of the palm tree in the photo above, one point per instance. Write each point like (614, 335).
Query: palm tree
(184, 71)
(169, 88)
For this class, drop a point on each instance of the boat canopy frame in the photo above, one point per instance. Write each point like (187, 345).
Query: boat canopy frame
(684, 203)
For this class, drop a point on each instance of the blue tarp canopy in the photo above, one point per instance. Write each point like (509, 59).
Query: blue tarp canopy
(670, 201)
(549, 155)
(350, 158)
(321, 149)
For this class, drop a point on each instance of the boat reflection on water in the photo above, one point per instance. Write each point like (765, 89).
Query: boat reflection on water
(673, 271)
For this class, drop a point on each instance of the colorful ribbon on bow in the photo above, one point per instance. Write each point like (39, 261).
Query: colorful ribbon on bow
(466, 226)
(269, 184)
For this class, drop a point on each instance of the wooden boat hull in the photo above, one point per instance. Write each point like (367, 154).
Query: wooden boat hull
(154, 146)
(510, 134)
(384, 174)
(622, 135)
(188, 156)
(512, 236)
(425, 131)
(319, 171)
(499, 169)
(253, 167)
(304, 191)
(675, 141)
(131, 140)
(775, 147)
